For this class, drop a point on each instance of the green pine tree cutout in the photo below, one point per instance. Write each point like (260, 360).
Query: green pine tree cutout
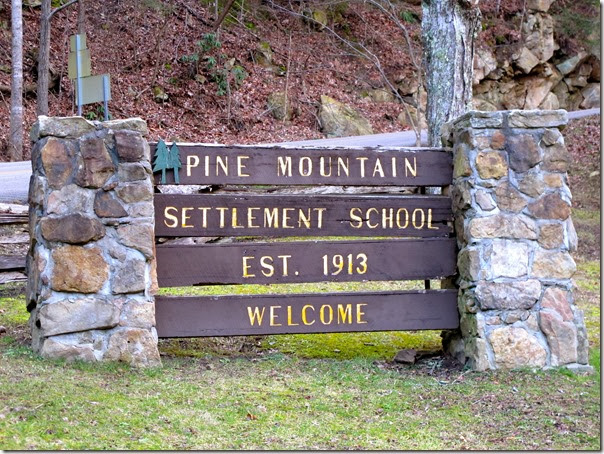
(162, 160)
(174, 162)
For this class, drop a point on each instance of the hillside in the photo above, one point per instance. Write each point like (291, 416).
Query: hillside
(192, 87)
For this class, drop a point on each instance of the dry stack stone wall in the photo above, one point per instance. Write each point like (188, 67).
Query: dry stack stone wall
(91, 258)
(512, 209)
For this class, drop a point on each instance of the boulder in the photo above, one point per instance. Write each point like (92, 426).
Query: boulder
(538, 29)
(340, 120)
(408, 118)
(570, 64)
(591, 96)
(525, 60)
(277, 103)
(484, 63)
(539, 5)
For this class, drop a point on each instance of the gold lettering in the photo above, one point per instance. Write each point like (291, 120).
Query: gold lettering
(234, 219)
(322, 314)
(255, 315)
(266, 263)
(430, 220)
(362, 161)
(398, 218)
(207, 163)
(423, 218)
(360, 313)
(304, 319)
(344, 313)
(356, 218)
(284, 258)
(322, 167)
(271, 217)
(371, 226)
(284, 166)
(378, 168)
(308, 171)
(171, 217)
(222, 210)
(246, 267)
(304, 218)
(394, 166)
(224, 164)
(343, 166)
(320, 216)
(286, 218)
(184, 218)
(411, 169)
(251, 218)
(204, 216)
(192, 161)
(387, 219)
(241, 166)
(273, 316)
(289, 317)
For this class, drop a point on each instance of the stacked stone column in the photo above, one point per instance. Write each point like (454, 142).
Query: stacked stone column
(512, 209)
(91, 257)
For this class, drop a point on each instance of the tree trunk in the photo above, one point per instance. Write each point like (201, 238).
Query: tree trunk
(448, 31)
(15, 140)
(81, 17)
(43, 59)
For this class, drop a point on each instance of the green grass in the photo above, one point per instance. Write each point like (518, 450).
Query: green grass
(335, 391)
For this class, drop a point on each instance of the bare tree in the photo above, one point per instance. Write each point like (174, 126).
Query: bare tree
(448, 31)
(46, 15)
(15, 140)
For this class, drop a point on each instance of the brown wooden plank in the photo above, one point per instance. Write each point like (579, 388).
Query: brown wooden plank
(12, 262)
(307, 261)
(309, 313)
(204, 164)
(301, 215)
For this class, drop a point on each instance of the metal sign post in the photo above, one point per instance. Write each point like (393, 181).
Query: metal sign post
(78, 75)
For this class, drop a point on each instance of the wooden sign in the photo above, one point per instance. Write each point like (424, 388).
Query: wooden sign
(206, 164)
(305, 261)
(301, 215)
(309, 313)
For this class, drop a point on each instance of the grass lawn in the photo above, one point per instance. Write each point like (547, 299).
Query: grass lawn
(327, 391)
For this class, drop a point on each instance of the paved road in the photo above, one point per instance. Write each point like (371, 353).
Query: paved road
(14, 176)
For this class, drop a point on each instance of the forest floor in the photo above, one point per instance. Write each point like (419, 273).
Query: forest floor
(328, 391)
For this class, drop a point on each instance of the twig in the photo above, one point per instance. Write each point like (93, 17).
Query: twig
(56, 10)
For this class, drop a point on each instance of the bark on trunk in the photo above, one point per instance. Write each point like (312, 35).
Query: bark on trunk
(448, 30)
(43, 59)
(15, 144)
(81, 17)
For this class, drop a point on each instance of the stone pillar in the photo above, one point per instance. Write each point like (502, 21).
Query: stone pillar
(91, 257)
(512, 209)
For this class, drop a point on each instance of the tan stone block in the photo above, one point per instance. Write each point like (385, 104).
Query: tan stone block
(491, 164)
(561, 337)
(557, 299)
(135, 346)
(135, 192)
(553, 265)
(58, 162)
(551, 236)
(96, 166)
(138, 236)
(515, 347)
(78, 269)
(509, 198)
(553, 180)
(550, 206)
(498, 140)
(81, 314)
(508, 295)
(72, 229)
(503, 226)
